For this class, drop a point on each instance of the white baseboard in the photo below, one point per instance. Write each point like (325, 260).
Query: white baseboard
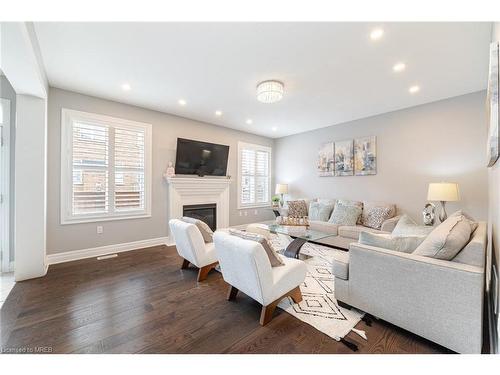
(69, 256)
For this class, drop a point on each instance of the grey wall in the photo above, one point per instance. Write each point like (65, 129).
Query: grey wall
(166, 129)
(494, 214)
(7, 92)
(441, 141)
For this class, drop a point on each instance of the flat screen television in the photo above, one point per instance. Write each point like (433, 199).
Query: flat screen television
(200, 158)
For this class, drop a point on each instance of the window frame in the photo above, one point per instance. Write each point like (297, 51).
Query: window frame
(68, 116)
(255, 147)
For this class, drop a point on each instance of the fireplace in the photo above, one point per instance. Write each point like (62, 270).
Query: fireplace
(203, 212)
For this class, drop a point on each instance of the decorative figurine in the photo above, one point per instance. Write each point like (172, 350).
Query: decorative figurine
(170, 172)
(429, 214)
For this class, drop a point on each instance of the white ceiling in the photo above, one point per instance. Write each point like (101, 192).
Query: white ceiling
(333, 72)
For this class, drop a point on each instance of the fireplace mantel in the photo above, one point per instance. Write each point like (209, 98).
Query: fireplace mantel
(199, 190)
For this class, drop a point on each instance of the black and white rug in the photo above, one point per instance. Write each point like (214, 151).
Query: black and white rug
(319, 307)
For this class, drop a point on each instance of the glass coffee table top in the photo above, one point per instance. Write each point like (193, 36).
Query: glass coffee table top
(300, 236)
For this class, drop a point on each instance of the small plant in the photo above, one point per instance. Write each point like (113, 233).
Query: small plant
(276, 200)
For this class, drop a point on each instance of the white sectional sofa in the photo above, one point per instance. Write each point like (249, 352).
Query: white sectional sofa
(343, 235)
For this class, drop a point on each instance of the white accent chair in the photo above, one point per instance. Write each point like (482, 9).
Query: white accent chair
(191, 247)
(246, 267)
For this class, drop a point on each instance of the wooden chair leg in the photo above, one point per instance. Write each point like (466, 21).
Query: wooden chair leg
(203, 272)
(185, 264)
(296, 295)
(231, 293)
(267, 311)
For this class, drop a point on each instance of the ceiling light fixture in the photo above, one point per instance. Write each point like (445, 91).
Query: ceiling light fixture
(376, 34)
(218, 113)
(126, 87)
(399, 67)
(270, 91)
(249, 121)
(181, 102)
(414, 89)
(274, 128)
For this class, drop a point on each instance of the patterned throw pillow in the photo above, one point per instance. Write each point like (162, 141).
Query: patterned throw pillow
(297, 208)
(266, 244)
(320, 211)
(206, 232)
(376, 216)
(345, 215)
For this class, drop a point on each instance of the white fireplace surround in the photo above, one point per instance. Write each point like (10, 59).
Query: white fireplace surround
(183, 191)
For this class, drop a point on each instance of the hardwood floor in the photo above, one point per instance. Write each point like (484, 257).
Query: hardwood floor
(142, 302)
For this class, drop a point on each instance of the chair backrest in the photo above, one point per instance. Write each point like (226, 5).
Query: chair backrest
(244, 264)
(188, 241)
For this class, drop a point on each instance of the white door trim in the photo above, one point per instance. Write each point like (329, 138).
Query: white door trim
(5, 186)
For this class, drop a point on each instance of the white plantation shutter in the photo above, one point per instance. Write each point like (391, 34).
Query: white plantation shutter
(129, 169)
(106, 166)
(90, 160)
(254, 175)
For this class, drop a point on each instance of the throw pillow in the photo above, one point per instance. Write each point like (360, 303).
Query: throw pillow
(320, 211)
(297, 208)
(474, 224)
(369, 205)
(347, 202)
(274, 258)
(406, 226)
(405, 244)
(446, 241)
(376, 216)
(345, 215)
(206, 232)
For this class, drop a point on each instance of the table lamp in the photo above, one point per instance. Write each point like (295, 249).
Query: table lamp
(281, 189)
(443, 192)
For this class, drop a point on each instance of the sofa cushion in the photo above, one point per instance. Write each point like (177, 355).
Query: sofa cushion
(324, 226)
(340, 265)
(297, 208)
(353, 231)
(446, 241)
(345, 215)
(274, 258)
(405, 244)
(205, 230)
(375, 216)
(320, 211)
(474, 253)
(406, 226)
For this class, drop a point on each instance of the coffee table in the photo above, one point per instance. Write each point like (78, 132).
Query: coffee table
(300, 235)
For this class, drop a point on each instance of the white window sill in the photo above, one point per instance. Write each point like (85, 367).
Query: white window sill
(104, 218)
(266, 205)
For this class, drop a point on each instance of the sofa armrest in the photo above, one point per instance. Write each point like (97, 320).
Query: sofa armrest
(437, 299)
(390, 224)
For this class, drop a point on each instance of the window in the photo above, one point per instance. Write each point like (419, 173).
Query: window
(105, 168)
(254, 175)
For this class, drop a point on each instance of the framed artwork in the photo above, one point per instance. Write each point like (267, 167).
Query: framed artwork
(365, 156)
(344, 158)
(325, 160)
(492, 101)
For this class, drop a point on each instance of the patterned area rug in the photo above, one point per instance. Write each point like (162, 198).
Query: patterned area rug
(319, 307)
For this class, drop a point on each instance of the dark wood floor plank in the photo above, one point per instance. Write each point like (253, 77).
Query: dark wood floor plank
(142, 302)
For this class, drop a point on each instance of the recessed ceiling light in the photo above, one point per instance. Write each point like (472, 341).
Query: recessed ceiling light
(274, 128)
(376, 34)
(414, 89)
(218, 113)
(126, 87)
(181, 102)
(249, 121)
(399, 67)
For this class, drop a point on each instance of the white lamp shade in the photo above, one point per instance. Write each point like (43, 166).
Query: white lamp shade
(281, 189)
(443, 191)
